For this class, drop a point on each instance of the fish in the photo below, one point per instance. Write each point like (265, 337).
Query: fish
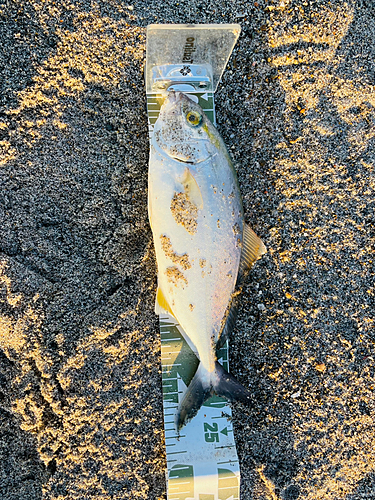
(204, 248)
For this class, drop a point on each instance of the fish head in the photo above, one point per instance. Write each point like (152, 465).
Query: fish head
(183, 132)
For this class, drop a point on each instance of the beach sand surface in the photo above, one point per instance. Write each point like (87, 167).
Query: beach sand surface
(80, 378)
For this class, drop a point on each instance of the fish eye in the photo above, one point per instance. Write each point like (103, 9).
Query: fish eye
(193, 118)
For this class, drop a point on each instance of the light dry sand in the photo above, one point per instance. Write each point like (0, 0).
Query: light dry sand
(81, 408)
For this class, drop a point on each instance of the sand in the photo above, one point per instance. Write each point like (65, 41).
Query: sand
(80, 382)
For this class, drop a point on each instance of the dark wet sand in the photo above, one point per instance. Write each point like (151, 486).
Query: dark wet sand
(80, 400)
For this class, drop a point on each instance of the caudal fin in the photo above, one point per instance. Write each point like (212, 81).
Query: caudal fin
(203, 386)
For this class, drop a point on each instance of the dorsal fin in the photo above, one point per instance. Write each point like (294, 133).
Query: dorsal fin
(252, 249)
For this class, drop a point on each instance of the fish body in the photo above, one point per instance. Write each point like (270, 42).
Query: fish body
(201, 241)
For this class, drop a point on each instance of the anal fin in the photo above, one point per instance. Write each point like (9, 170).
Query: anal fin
(161, 304)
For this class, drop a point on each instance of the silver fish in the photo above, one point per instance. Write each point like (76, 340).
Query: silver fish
(203, 246)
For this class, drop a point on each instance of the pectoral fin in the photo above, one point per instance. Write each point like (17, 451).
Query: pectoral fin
(191, 188)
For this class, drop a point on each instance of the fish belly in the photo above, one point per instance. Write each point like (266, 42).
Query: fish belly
(197, 222)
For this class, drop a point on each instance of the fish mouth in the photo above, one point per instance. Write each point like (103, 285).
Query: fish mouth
(190, 162)
(182, 160)
(171, 98)
(174, 97)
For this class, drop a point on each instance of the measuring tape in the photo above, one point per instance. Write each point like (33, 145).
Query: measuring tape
(202, 462)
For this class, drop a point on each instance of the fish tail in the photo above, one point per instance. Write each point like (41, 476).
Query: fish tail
(203, 386)
(228, 387)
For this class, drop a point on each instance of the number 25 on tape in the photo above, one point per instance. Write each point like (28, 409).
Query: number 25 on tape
(213, 435)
